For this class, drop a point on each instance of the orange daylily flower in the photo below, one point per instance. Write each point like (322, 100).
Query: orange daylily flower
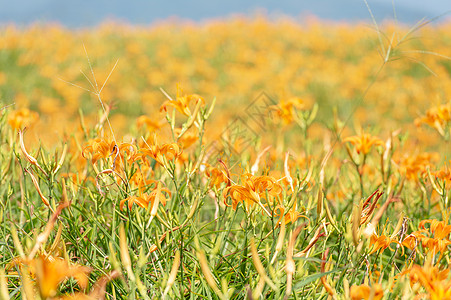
(411, 241)
(438, 228)
(103, 148)
(434, 281)
(97, 293)
(217, 177)
(145, 198)
(364, 291)
(290, 217)
(18, 119)
(51, 271)
(435, 238)
(140, 177)
(253, 190)
(436, 117)
(382, 242)
(364, 142)
(152, 124)
(444, 173)
(181, 102)
(160, 153)
(286, 109)
(416, 165)
(187, 139)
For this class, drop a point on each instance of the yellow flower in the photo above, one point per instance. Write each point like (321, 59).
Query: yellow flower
(364, 142)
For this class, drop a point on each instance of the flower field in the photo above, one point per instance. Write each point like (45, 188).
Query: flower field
(232, 159)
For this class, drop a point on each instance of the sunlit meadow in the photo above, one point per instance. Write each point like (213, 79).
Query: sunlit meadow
(234, 159)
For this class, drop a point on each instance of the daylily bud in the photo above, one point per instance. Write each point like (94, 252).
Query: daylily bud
(28, 157)
(36, 185)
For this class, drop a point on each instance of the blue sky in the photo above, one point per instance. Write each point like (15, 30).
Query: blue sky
(85, 13)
